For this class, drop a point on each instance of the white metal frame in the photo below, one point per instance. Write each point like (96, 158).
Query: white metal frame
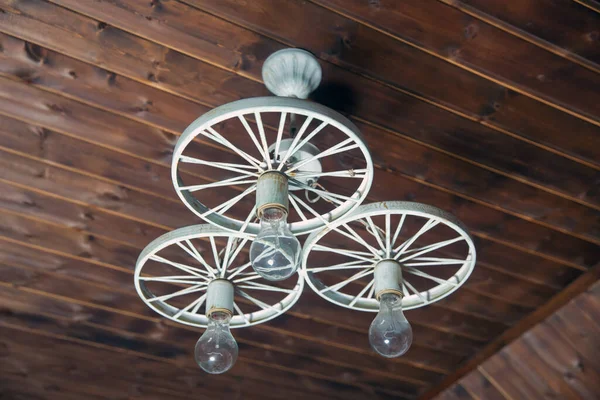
(411, 260)
(197, 277)
(310, 220)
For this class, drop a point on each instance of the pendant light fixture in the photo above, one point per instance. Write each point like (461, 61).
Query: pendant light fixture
(279, 168)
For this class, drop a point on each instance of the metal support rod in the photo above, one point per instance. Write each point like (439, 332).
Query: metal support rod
(219, 297)
(272, 191)
(388, 278)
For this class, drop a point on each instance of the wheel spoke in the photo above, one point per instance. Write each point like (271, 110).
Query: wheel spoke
(371, 292)
(260, 149)
(349, 173)
(213, 246)
(250, 277)
(280, 133)
(338, 148)
(333, 197)
(225, 262)
(398, 229)
(198, 257)
(190, 270)
(238, 270)
(422, 274)
(309, 209)
(176, 279)
(320, 247)
(263, 138)
(230, 203)
(188, 290)
(432, 261)
(388, 246)
(308, 137)
(358, 264)
(292, 148)
(240, 168)
(260, 286)
(406, 283)
(375, 232)
(241, 313)
(297, 208)
(343, 283)
(214, 135)
(351, 234)
(196, 304)
(361, 293)
(431, 248)
(257, 302)
(227, 182)
(404, 246)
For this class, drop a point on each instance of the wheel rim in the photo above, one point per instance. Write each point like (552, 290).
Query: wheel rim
(374, 232)
(344, 155)
(173, 264)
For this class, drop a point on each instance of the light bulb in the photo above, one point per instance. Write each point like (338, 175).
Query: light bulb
(275, 251)
(390, 333)
(216, 350)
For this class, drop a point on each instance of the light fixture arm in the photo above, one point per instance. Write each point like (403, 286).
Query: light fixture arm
(219, 297)
(388, 278)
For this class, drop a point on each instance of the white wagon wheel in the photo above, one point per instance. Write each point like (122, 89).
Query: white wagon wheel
(418, 236)
(172, 275)
(327, 162)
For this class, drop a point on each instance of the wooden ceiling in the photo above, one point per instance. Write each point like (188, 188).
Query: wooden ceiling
(555, 360)
(485, 108)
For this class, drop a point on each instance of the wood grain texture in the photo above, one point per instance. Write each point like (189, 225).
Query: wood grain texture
(484, 109)
(554, 359)
(356, 46)
(479, 47)
(565, 24)
(78, 119)
(172, 69)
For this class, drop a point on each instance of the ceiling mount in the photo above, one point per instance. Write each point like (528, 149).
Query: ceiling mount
(291, 73)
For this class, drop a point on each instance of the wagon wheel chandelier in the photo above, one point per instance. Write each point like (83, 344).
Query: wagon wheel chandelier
(278, 168)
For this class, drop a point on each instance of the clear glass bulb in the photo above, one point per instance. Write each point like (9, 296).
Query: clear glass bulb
(216, 350)
(390, 333)
(275, 251)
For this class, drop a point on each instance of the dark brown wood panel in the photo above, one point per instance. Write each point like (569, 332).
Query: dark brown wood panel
(415, 24)
(566, 24)
(554, 359)
(404, 161)
(173, 68)
(484, 109)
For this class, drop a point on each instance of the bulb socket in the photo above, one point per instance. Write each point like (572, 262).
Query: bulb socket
(272, 192)
(219, 297)
(388, 278)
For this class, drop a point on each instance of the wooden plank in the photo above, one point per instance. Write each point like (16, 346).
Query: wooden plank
(173, 375)
(374, 96)
(562, 358)
(578, 331)
(95, 161)
(516, 380)
(571, 291)
(67, 241)
(339, 331)
(528, 359)
(480, 388)
(564, 24)
(525, 233)
(129, 98)
(17, 200)
(179, 347)
(137, 208)
(481, 48)
(352, 45)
